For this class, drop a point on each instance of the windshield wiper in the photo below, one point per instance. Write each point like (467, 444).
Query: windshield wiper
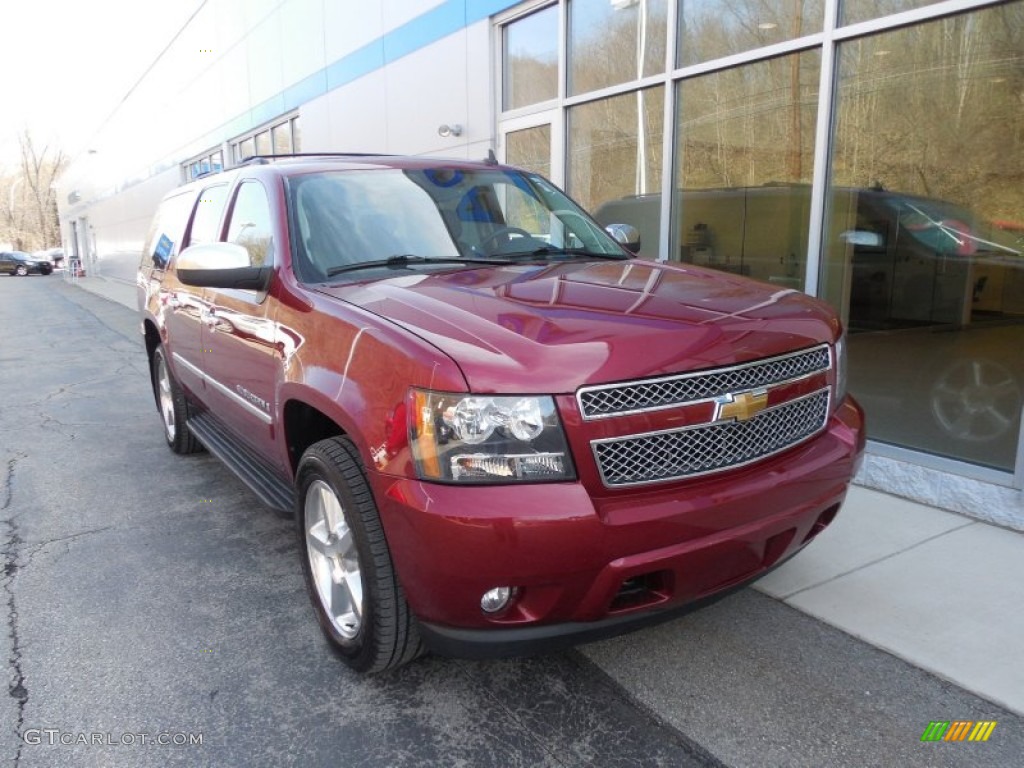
(404, 259)
(583, 253)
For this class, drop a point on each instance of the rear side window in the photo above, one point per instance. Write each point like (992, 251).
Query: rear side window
(206, 220)
(251, 224)
(167, 230)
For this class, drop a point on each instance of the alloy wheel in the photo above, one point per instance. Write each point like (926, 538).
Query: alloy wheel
(163, 379)
(333, 559)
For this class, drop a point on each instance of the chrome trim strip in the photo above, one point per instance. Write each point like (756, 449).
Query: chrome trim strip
(179, 359)
(234, 396)
(696, 374)
(704, 425)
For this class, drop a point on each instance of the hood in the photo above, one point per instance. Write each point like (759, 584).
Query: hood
(550, 329)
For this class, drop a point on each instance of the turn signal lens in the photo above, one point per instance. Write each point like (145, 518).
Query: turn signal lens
(840, 352)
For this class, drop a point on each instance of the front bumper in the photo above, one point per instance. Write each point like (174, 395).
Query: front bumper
(586, 567)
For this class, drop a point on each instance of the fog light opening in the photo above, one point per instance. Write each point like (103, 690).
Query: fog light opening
(641, 591)
(823, 521)
(496, 599)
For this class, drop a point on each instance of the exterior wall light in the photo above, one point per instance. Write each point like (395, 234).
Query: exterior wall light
(445, 130)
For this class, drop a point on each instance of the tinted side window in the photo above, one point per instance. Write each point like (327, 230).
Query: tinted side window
(206, 221)
(251, 223)
(167, 230)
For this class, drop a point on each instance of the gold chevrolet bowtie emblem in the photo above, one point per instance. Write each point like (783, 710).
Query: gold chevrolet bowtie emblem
(741, 407)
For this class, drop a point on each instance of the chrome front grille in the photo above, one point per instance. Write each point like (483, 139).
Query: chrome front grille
(654, 394)
(697, 450)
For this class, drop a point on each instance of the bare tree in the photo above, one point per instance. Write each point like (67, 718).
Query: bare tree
(30, 205)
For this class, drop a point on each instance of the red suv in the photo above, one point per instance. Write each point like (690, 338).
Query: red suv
(500, 432)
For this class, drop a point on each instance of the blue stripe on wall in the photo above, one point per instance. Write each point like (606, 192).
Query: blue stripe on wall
(354, 65)
(426, 29)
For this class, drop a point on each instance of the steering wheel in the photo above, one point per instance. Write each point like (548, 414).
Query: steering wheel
(490, 243)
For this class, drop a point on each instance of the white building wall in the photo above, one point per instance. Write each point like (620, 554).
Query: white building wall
(363, 77)
(412, 98)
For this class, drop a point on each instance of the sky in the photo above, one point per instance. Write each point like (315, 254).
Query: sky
(67, 64)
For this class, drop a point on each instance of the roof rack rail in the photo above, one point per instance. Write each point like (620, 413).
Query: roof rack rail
(264, 159)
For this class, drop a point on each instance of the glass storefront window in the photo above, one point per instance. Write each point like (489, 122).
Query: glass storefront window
(282, 135)
(263, 144)
(744, 166)
(711, 29)
(530, 59)
(853, 11)
(615, 41)
(615, 161)
(530, 148)
(924, 245)
(246, 148)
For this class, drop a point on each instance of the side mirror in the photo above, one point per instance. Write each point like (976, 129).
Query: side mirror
(862, 238)
(625, 235)
(221, 265)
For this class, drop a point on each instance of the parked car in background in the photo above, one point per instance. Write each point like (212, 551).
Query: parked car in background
(21, 263)
(499, 432)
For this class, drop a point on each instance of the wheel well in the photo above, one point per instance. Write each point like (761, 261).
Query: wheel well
(152, 338)
(303, 426)
(152, 341)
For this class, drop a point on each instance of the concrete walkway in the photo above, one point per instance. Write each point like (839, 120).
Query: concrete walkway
(936, 589)
(117, 291)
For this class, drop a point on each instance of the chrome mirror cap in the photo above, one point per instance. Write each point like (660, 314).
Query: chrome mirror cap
(625, 235)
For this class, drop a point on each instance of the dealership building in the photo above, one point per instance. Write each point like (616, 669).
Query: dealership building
(869, 152)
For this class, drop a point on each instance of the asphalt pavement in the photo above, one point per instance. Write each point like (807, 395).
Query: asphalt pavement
(149, 595)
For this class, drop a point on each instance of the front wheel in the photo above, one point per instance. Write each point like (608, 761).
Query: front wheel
(350, 578)
(173, 406)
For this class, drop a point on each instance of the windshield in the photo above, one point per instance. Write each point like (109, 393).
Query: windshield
(346, 218)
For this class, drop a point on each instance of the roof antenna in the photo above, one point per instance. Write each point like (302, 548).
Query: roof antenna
(491, 159)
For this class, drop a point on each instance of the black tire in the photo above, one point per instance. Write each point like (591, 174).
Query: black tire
(172, 405)
(21, 271)
(381, 634)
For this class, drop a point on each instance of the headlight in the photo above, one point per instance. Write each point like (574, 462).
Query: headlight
(483, 439)
(841, 366)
